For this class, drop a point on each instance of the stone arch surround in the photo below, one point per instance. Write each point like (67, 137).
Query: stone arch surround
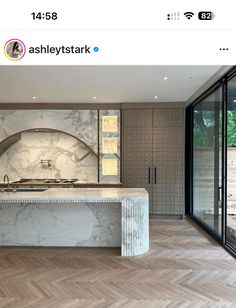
(82, 124)
(70, 156)
(20, 160)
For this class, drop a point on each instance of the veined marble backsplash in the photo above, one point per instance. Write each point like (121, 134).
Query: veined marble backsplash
(79, 123)
(70, 158)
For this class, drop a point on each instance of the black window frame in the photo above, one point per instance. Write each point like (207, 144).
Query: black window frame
(189, 121)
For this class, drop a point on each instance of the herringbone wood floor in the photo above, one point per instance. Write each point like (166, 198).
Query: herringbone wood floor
(184, 268)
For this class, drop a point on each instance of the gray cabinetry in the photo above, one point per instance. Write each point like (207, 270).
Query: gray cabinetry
(153, 156)
(137, 150)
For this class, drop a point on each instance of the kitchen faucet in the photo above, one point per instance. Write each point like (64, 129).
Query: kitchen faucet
(6, 177)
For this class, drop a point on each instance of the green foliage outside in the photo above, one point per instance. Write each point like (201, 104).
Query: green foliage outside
(204, 128)
(204, 123)
(231, 128)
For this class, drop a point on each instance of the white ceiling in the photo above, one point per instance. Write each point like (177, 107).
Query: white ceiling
(109, 84)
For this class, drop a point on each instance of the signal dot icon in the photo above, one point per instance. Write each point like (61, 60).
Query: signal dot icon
(188, 15)
(173, 16)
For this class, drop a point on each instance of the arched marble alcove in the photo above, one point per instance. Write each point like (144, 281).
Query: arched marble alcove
(69, 156)
(79, 123)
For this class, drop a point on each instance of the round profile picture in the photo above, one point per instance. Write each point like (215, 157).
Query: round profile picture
(14, 49)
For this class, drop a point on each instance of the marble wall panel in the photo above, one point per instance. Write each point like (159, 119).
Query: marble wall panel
(69, 158)
(79, 123)
(82, 124)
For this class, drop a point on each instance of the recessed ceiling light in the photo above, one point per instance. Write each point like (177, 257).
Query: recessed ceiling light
(165, 78)
(34, 97)
(156, 97)
(234, 100)
(94, 97)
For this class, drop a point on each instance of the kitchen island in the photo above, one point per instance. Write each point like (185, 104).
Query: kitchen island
(77, 217)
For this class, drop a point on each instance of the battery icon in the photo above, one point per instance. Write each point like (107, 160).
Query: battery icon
(206, 15)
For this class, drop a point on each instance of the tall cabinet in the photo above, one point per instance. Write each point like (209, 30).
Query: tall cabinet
(152, 151)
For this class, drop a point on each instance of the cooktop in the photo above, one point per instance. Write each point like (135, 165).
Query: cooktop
(45, 181)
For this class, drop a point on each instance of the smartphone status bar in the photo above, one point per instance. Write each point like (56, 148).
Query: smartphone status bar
(116, 15)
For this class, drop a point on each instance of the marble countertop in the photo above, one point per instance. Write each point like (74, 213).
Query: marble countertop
(75, 194)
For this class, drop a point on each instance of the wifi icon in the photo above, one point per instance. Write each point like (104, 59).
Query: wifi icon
(189, 15)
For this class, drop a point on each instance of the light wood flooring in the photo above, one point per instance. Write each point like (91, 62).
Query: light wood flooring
(184, 268)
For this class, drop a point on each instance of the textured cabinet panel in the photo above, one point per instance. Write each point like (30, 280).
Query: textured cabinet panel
(137, 153)
(168, 159)
(137, 118)
(167, 117)
(154, 138)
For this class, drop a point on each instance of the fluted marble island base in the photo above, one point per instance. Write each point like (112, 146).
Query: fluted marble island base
(91, 217)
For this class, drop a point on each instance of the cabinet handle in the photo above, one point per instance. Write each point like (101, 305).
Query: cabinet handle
(155, 175)
(219, 193)
(149, 175)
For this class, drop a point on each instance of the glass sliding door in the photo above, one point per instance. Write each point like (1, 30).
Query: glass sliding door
(211, 161)
(207, 160)
(231, 164)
